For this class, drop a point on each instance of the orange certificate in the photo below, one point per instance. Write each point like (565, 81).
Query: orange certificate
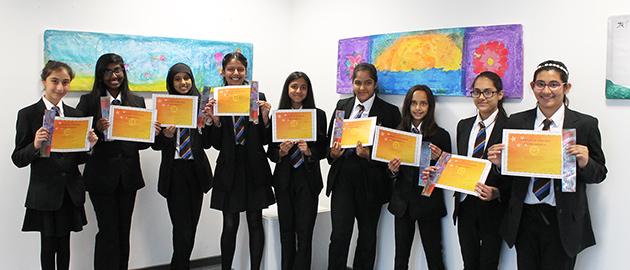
(360, 129)
(232, 100)
(532, 153)
(462, 173)
(71, 134)
(391, 143)
(292, 125)
(131, 124)
(175, 110)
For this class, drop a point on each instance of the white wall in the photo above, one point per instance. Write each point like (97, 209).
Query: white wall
(303, 35)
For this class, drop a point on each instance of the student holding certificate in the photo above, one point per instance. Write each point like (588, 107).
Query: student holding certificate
(56, 193)
(242, 179)
(479, 217)
(112, 174)
(407, 204)
(550, 227)
(297, 177)
(185, 173)
(359, 186)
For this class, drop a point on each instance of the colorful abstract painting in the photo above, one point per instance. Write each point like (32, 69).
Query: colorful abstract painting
(147, 59)
(618, 58)
(446, 60)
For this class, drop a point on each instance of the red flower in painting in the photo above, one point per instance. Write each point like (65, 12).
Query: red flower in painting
(353, 61)
(491, 56)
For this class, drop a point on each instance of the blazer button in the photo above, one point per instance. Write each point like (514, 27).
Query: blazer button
(62, 157)
(560, 211)
(63, 174)
(557, 188)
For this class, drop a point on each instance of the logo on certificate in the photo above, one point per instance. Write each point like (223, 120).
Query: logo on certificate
(534, 150)
(461, 170)
(294, 123)
(396, 145)
(235, 97)
(67, 131)
(173, 108)
(132, 121)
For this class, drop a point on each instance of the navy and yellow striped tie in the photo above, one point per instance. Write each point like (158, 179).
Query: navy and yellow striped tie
(239, 129)
(480, 142)
(185, 152)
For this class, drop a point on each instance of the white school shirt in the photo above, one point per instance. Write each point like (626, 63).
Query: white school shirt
(49, 106)
(367, 106)
(489, 123)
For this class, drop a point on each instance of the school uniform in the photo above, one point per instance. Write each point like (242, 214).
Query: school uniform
(479, 221)
(112, 176)
(297, 192)
(359, 188)
(549, 235)
(410, 207)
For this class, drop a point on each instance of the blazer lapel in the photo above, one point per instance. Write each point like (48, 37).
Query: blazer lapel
(347, 108)
(570, 119)
(462, 145)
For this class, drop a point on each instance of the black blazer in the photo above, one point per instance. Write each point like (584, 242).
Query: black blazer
(223, 139)
(406, 193)
(50, 177)
(574, 220)
(111, 161)
(494, 179)
(202, 165)
(378, 183)
(282, 171)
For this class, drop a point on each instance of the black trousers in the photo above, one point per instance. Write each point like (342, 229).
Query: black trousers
(430, 234)
(113, 214)
(478, 229)
(185, 198)
(538, 244)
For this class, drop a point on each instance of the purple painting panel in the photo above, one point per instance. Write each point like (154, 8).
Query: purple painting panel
(495, 48)
(351, 52)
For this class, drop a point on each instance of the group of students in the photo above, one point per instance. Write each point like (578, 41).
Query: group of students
(547, 232)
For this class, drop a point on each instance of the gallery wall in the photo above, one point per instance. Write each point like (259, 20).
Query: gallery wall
(303, 35)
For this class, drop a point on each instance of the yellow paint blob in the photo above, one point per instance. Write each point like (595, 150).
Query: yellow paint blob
(421, 52)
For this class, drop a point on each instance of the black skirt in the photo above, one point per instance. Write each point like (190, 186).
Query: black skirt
(60, 222)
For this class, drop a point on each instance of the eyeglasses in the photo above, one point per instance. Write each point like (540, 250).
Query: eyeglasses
(553, 86)
(116, 71)
(486, 93)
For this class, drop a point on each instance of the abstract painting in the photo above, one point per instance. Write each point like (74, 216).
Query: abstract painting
(618, 58)
(446, 60)
(147, 59)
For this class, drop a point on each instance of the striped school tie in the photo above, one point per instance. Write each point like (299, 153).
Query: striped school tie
(239, 130)
(296, 156)
(57, 110)
(480, 142)
(541, 185)
(185, 152)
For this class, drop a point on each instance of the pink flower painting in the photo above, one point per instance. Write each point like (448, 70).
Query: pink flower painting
(491, 56)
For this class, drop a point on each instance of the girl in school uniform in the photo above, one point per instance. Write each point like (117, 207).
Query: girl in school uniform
(359, 186)
(550, 227)
(56, 193)
(297, 177)
(112, 174)
(407, 204)
(185, 173)
(479, 217)
(242, 180)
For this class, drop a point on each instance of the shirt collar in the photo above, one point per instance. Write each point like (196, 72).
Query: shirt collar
(367, 104)
(111, 98)
(418, 127)
(489, 121)
(557, 118)
(49, 105)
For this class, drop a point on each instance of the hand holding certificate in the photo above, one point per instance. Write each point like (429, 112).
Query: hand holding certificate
(132, 124)
(293, 125)
(175, 110)
(71, 134)
(391, 143)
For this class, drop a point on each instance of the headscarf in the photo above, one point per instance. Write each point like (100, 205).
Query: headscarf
(177, 68)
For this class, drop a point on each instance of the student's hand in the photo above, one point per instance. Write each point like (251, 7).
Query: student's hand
(92, 138)
(494, 154)
(102, 125)
(436, 152)
(581, 154)
(265, 108)
(487, 193)
(284, 148)
(40, 136)
(209, 111)
(169, 131)
(363, 152)
(303, 146)
(157, 127)
(336, 151)
(426, 172)
(394, 165)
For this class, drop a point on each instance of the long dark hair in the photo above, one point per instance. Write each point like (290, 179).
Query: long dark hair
(498, 84)
(234, 55)
(285, 100)
(100, 89)
(558, 67)
(371, 69)
(429, 127)
(177, 68)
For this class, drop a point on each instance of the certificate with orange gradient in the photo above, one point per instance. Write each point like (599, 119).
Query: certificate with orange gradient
(391, 143)
(232, 100)
(132, 124)
(360, 129)
(532, 153)
(461, 173)
(292, 125)
(71, 134)
(175, 110)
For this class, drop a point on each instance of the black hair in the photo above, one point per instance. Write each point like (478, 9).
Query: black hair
(285, 100)
(178, 68)
(52, 66)
(558, 67)
(371, 69)
(429, 127)
(498, 84)
(233, 55)
(100, 89)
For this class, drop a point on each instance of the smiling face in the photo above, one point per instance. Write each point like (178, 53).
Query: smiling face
(298, 89)
(235, 72)
(182, 82)
(419, 107)
(486, 105)
(56, 85)
(549, 101)
(113, 76)
(364, 85)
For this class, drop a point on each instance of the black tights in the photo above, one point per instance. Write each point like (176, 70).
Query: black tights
(228, 238)
(55, 245)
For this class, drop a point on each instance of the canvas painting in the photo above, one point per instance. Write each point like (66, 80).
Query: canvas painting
(147, 59)
(446, 60)
(618, 58)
